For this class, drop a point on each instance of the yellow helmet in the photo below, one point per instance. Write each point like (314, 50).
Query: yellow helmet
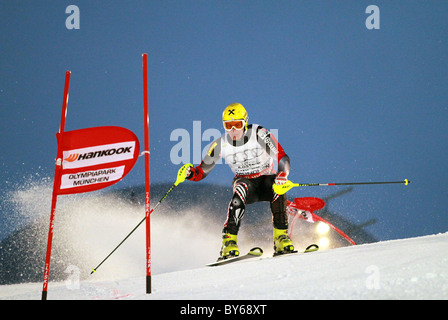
(235, 111)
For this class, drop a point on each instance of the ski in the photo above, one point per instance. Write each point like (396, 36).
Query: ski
(311, 248)
(253, 253)
(258, 252)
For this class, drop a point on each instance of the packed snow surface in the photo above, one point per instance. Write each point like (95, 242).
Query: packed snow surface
(415, 268)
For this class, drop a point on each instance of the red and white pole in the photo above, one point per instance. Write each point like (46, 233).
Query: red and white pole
(56, 185)
(147, 178)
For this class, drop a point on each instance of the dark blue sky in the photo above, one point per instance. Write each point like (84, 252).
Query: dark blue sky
(349, 104)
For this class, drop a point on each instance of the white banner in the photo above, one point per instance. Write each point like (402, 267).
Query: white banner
(85, 157)
(80, 179)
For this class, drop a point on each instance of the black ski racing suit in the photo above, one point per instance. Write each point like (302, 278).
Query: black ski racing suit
(252, 160)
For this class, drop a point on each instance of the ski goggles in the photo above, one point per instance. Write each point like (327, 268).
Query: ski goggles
(237, 124)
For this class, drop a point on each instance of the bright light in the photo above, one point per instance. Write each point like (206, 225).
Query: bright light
(322, 228)
(323, 242)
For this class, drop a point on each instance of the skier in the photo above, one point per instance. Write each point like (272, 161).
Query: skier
(250, 150)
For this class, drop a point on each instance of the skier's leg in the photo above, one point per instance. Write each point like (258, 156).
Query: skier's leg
(278, 202)
(235, 212)
(237, 207)
(278, 209)
(282, 243)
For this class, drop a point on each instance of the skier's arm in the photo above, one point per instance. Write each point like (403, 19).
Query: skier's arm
(284, 164)
(268, 141)
(208, 163)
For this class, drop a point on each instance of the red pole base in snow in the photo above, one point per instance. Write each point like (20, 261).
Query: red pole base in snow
(148, 284)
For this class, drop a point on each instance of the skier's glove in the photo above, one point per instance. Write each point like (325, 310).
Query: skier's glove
(281, 178)
(189, 173)
(194, 173)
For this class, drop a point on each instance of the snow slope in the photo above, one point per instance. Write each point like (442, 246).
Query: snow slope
(415, 268)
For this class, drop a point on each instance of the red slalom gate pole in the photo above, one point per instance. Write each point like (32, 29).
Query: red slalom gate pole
(56, 184)
(147, 177)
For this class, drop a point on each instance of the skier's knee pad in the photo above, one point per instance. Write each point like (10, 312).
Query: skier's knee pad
(237, 202)
(237, 208)
(236, 212)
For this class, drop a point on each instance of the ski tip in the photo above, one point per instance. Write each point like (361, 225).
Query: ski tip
(257, 251)
(312, 247)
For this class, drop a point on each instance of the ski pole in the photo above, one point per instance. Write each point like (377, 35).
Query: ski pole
(282, 189)
(180, 179)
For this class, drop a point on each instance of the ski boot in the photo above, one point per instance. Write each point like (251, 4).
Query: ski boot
(282, 243)
(229, 247)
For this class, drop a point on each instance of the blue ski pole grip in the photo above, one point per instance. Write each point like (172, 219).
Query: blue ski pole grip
(181, 173)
